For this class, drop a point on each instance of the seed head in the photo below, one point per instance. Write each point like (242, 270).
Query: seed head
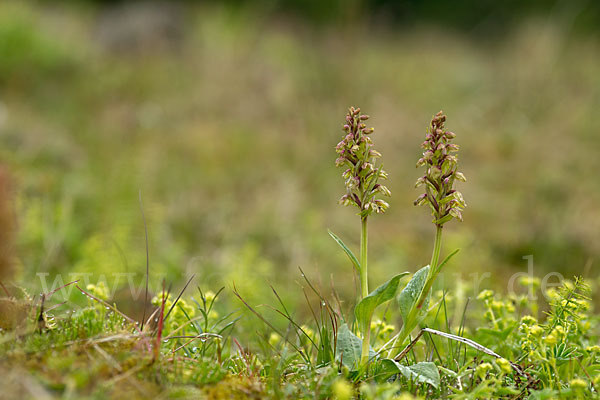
(362, 174)
(441, 173)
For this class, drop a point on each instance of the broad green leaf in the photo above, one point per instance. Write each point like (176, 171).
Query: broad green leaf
(410, 294)
(364, 310)
(423, 372)
(386, 369)
(348, 252)
(349, 348)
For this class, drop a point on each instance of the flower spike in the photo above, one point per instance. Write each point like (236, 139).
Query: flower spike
(362, 175)
(441, 172)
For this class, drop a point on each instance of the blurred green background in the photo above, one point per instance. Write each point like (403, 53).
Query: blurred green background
(225, 116)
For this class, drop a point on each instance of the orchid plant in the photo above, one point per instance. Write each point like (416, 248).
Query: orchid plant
(362, 177)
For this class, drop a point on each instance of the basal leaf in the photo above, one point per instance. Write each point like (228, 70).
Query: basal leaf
(348, 252)
(349, 348)
(423, 372)
(386, 368)
(364, 310)
(410, 294)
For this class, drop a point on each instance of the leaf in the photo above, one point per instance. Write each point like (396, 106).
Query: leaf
(409, 296)
(448, 257)
(348, 252)
(349, 348)
(423, 372)
(386, 369)
(364, 310)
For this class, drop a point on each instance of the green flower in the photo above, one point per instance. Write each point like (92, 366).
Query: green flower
(362, 175)
(441, 172)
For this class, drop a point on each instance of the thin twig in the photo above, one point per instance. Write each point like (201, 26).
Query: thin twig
(476, 346)
(5, 290)
(404, 352)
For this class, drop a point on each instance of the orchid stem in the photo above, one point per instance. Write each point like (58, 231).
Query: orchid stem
(364, 284)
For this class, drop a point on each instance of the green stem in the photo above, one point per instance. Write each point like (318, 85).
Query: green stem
(364, 284)
(364, 281)
(437, 247)
(410, 322)
(433, 269)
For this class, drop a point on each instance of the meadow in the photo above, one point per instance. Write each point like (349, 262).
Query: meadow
(198, 144)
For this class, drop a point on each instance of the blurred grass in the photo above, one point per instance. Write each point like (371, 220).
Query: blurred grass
(227, 126)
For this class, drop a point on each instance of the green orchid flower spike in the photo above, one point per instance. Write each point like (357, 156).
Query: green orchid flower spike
(441, 173)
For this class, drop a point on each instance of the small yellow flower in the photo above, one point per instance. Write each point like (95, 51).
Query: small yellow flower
(100, 290)
(536, 330)
(568, 284)
(405, 396)
(510, 307)
(497, 306)
(157, 300)
(485, 295)
(504, 365)
(526, 346)
(488, 315)
(274, 339)
(183, 306)
(593, 349)
(377, 324)
(551, 339)
(209, 296)
(388, 329)
(528, 320)
(584, 305)
(552, 294)
(578, 384)
(309, 332)
(342, 390)
(483, 369)
(560, 331)
(528, 281)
